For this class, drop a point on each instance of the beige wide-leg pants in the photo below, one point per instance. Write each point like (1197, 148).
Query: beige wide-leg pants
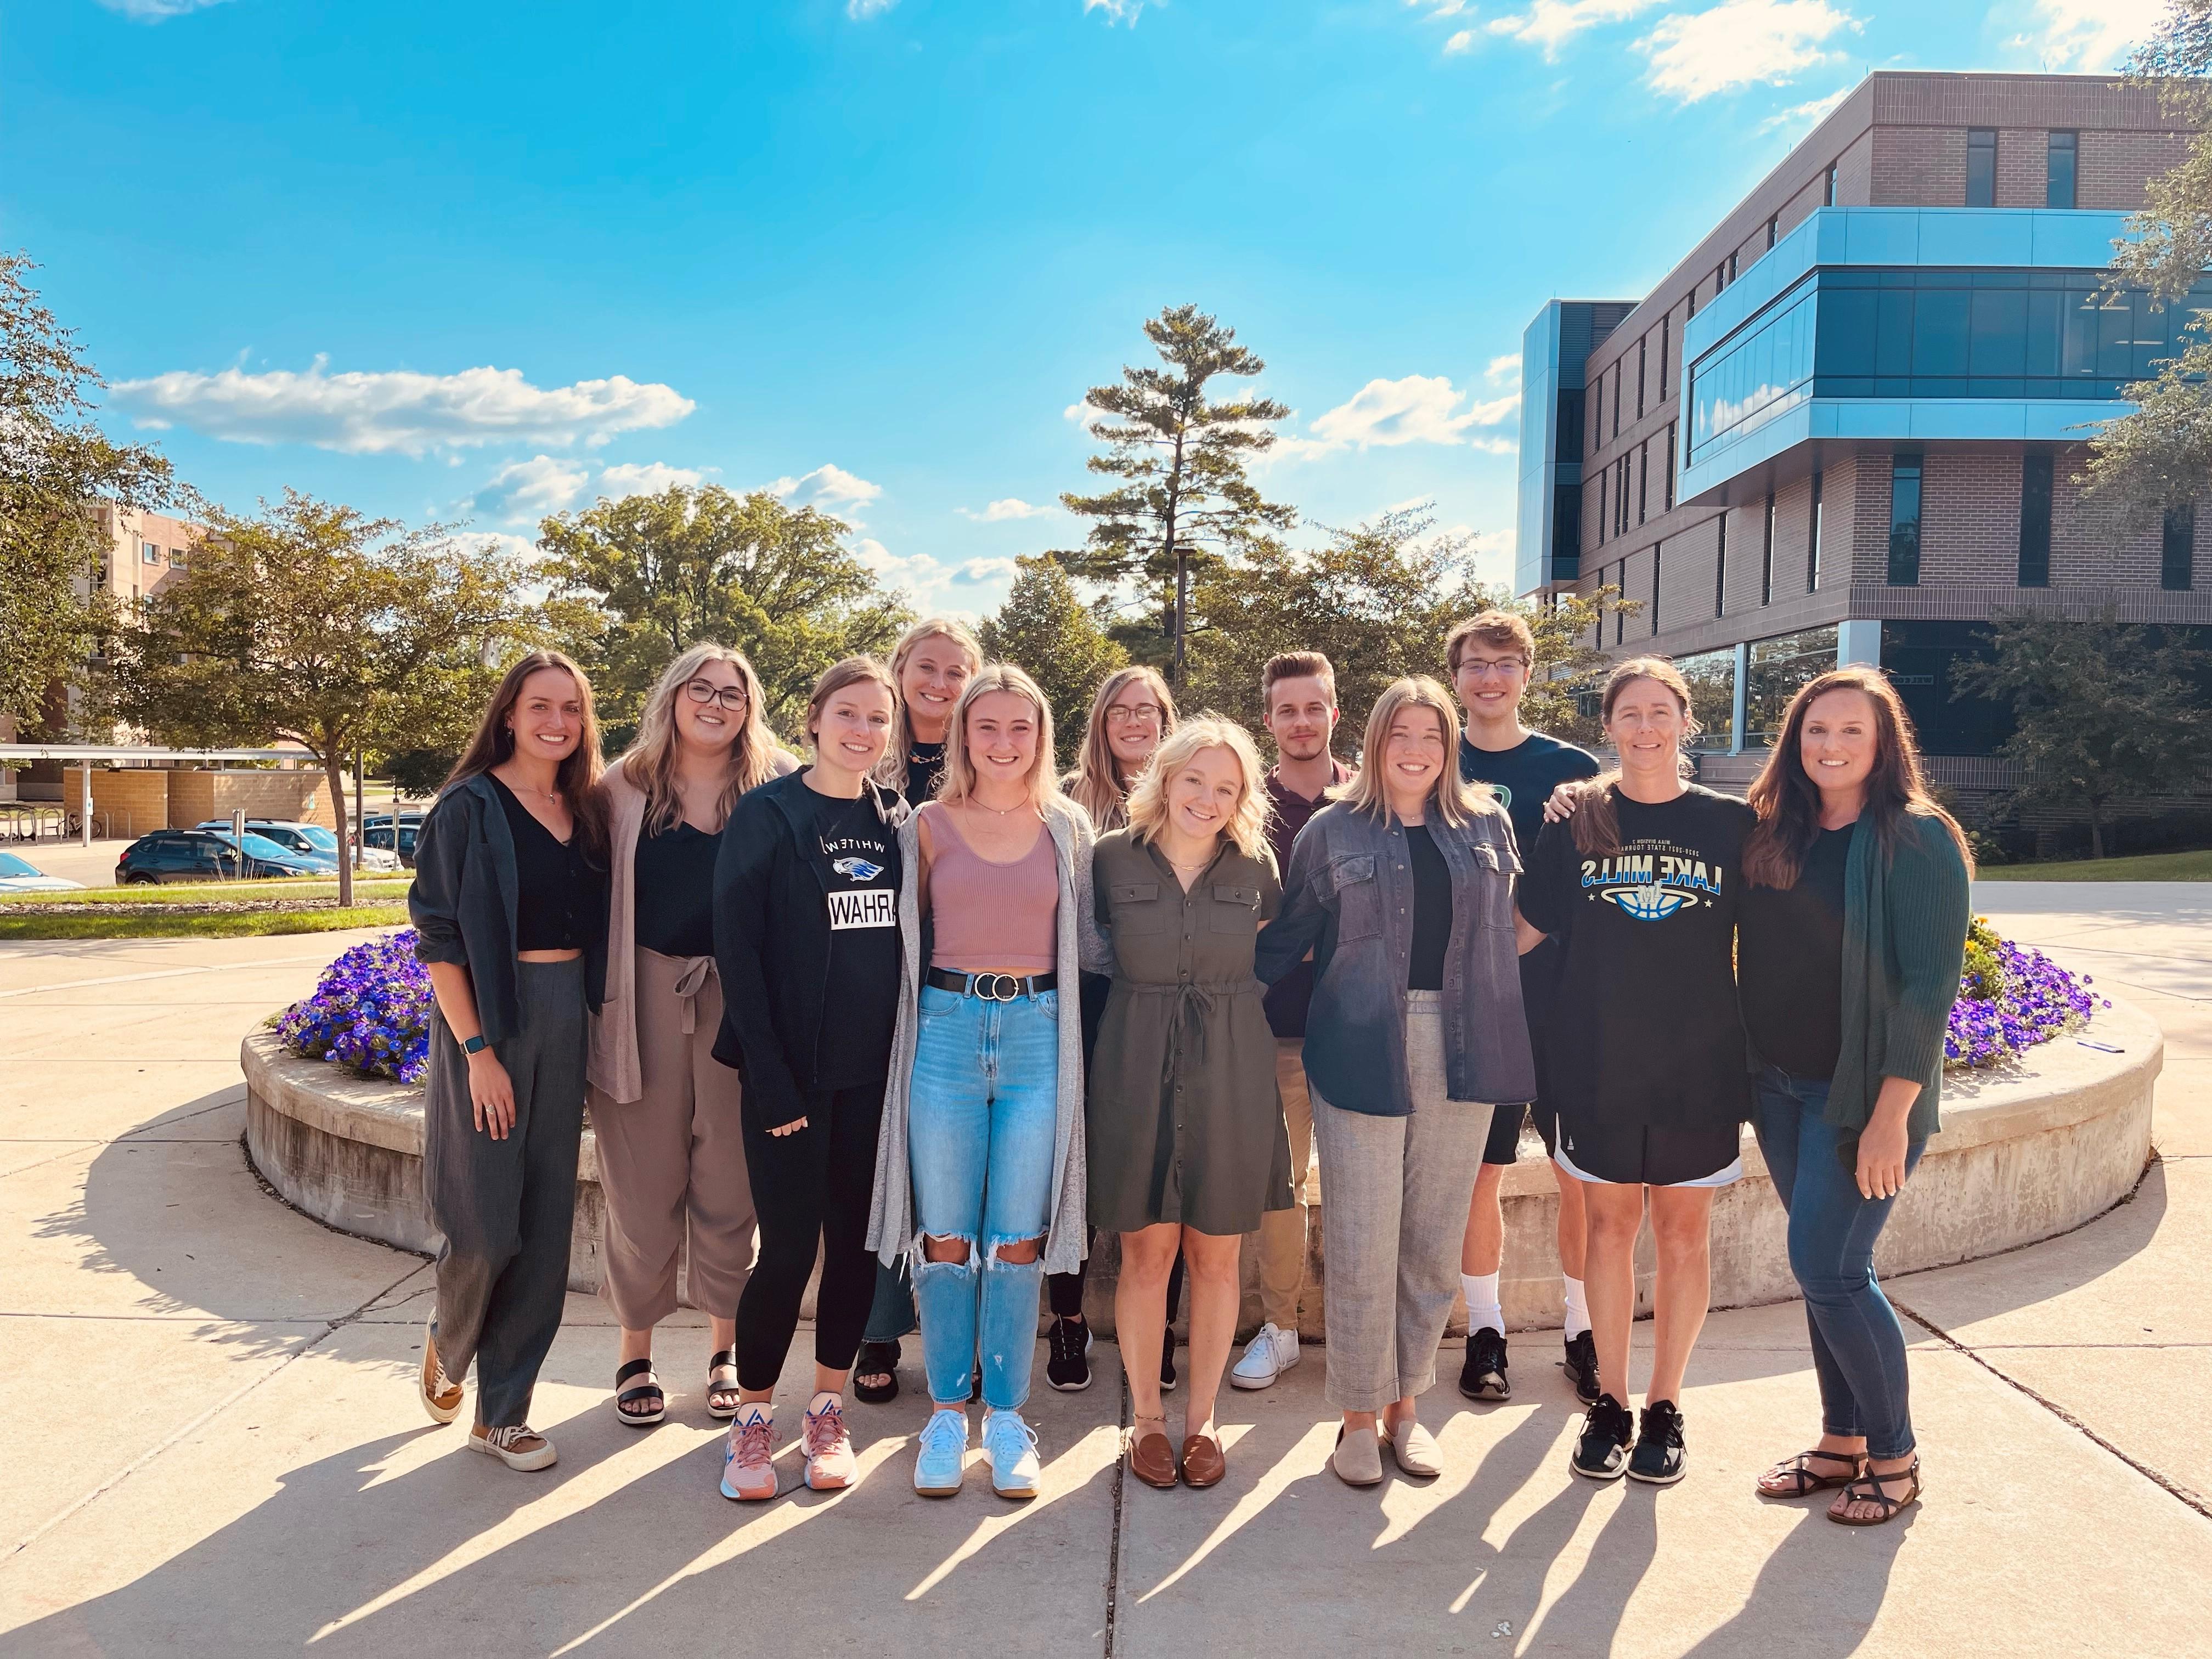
(672, 1161)
(1282, 1232)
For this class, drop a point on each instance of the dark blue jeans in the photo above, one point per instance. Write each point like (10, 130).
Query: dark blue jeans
(1858, 1347)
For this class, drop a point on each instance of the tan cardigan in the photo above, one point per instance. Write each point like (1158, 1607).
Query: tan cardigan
(612, 1069)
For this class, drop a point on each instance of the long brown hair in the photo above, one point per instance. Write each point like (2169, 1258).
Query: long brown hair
(1788, 801)
(650, 764)
(1095, 785)
(577, 777)
(1597, 821)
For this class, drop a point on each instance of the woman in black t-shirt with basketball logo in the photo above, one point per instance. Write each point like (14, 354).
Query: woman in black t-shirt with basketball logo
(1646, 1043)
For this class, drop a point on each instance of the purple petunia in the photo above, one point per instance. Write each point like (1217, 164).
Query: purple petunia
(369, 1014)
(2010, 998)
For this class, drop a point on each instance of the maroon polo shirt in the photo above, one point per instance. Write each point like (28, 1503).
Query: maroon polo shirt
(1288, 997)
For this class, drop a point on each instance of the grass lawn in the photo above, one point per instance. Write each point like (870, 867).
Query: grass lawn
(366, 891)
(2144, 867)
(16, 924)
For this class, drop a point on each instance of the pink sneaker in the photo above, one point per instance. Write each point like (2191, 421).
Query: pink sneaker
(830, 1465)
(748, 1469)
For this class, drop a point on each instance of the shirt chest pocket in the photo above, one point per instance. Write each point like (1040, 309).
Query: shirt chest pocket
(1494, 885)
(1359, 898)
(1135, 908)
(1234, 910)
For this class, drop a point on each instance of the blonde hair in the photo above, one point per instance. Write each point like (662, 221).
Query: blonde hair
(892, 769)
(1095, 785)
(958, 782)
(649, 764)
(1455, 802)
(1247, 828)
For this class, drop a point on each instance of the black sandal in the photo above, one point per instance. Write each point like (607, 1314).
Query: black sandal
(1870, 1490)
(722, 1402)
(624, 1397)
(876, 1359)
(1808, 1482)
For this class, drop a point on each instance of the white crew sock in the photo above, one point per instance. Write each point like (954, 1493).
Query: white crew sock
(1577, 1309)
(1482, 1308)
(822, 1400)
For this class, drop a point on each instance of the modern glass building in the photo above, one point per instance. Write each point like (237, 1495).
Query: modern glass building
(1847, 427)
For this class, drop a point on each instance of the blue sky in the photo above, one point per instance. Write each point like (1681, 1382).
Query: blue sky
(479, 261)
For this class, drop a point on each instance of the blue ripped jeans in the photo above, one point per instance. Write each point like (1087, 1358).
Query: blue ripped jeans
(982, 1114)
(1858, 1347)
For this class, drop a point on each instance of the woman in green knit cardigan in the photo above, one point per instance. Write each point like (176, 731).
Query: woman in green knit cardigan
(1851, 934)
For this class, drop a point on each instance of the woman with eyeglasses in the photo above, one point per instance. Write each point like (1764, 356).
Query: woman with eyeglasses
(1133, 711)
(665, 1112)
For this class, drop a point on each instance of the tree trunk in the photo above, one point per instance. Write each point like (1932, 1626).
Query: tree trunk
(333, 760)
(2096, 829)
(1182, 618)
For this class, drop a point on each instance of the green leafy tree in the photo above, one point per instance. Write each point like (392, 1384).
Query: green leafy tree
(54, 465)
(313, 624)
(1179, 458)
(640, 579)
(1045, 628)
(1377, 600)
(2103, 710)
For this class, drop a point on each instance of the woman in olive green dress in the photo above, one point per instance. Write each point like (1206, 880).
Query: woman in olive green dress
(1186, 1142)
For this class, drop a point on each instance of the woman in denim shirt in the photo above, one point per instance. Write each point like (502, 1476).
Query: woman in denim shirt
(1403, 890)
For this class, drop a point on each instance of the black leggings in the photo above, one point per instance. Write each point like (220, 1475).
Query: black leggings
(813, 1187)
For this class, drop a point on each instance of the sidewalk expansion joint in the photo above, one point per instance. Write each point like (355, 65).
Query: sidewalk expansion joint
(1114, 1544)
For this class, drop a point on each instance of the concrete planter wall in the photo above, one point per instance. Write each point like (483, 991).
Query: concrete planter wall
(2025, 1153)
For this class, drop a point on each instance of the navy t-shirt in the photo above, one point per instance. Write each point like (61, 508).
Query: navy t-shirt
(1524, 777)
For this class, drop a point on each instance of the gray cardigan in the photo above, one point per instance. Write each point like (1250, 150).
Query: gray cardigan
(1079, 946)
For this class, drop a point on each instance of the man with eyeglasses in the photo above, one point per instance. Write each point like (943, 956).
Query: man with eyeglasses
(1490, 657)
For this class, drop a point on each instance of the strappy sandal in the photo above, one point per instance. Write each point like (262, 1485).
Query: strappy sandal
(876, 1359)
(648, 1390)
(722, 1400)
(1807, 1483)
(1870, 1490)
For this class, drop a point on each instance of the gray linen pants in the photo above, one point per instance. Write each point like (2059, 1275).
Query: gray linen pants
(1395, 1196)
(672, 1161)
(507, 1207)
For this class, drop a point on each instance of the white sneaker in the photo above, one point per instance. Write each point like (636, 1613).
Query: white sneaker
(1271, 1352)
(1010, 1445)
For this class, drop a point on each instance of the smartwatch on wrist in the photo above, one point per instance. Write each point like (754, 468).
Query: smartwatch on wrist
(474, 1045)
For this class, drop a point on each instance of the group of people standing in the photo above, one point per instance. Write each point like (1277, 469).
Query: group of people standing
(924, 1009)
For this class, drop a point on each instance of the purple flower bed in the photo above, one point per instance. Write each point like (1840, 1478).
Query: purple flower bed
(370, 1014)
(2010, 998)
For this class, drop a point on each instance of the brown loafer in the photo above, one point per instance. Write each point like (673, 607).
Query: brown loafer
(1203, 1465)
(1153, 1460)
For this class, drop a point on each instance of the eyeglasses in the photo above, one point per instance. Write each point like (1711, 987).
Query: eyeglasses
(1145, 714)
(1483, 667)
(730, 696)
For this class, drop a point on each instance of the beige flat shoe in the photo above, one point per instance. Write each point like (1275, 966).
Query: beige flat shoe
(1416, 1451)
(1358, 1459)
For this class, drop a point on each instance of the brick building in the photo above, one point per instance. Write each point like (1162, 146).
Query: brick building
(1846, 427)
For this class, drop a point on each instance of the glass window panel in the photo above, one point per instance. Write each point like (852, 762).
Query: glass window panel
(1904, 520)
(1893, 348)
(2035, 518)
(1779, 669)
(1712, 678)
(1940, 331)
(2000, 331)
(2059, 190)
(1982, 166)
(2116, 330)
(2178, 546)
(2079, 353)
(2045, 311)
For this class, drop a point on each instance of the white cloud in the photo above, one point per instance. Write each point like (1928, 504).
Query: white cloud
(1456, 44)
(1000, 511)
(495, 541)
(1496, 445)
(2089, 34)
(987, 570)
(826, 486)
(1117, 11)
(648, 478)
(157, 11)
(1806, 113)
(1418, 409)
(399, 411)
(1738, 43)
(1551, 23)
(1503, 369)
(526, 490)
(861, 10)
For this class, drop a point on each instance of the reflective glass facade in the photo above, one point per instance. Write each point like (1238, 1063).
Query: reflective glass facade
(1779, 669)
(1711, 677)
(1860, 332)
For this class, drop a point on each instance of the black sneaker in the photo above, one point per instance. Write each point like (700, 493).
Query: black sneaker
(1581, 1367)
(1068, 1369)
(1483, 1375)
(1601, 1452)
(1167, 1365)
(1659, 1459)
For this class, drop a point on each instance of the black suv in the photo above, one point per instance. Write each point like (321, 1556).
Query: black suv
(199, 855)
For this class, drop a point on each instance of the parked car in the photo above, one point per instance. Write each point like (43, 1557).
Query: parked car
(380, 833)
(312, 840)
(21, 876)
(202, 855)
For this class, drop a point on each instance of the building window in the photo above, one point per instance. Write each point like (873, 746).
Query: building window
(1621, 612)
(1766, 557)
(178, 557)
(1597, 414)
(1602, 478)
(1731, 267)
(2178, 550)
(2058, 188)
(1641, 347)
(1621, 497)
(1656, 546)
(1720, 278)
(1693, 300)
(1773, 227)
(149, 553)
(1643, 479)
(1666, 345)
(1813, 542)
(1616, 396)
(2035, 518)
(1905, 519)
(1571, 437)
(1670, 466)
(1828, 187)
(1720, 569)
(1982, 166)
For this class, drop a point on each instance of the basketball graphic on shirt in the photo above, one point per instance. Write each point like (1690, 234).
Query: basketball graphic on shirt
(1652, 880)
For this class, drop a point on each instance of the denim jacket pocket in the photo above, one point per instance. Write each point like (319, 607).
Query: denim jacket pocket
(1359, 898)
(1135, 907)
(1234, 909)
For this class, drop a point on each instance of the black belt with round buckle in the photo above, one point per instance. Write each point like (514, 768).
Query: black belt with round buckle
(991, 987)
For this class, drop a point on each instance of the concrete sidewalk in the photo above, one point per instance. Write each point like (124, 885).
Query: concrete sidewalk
(214, 1446)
